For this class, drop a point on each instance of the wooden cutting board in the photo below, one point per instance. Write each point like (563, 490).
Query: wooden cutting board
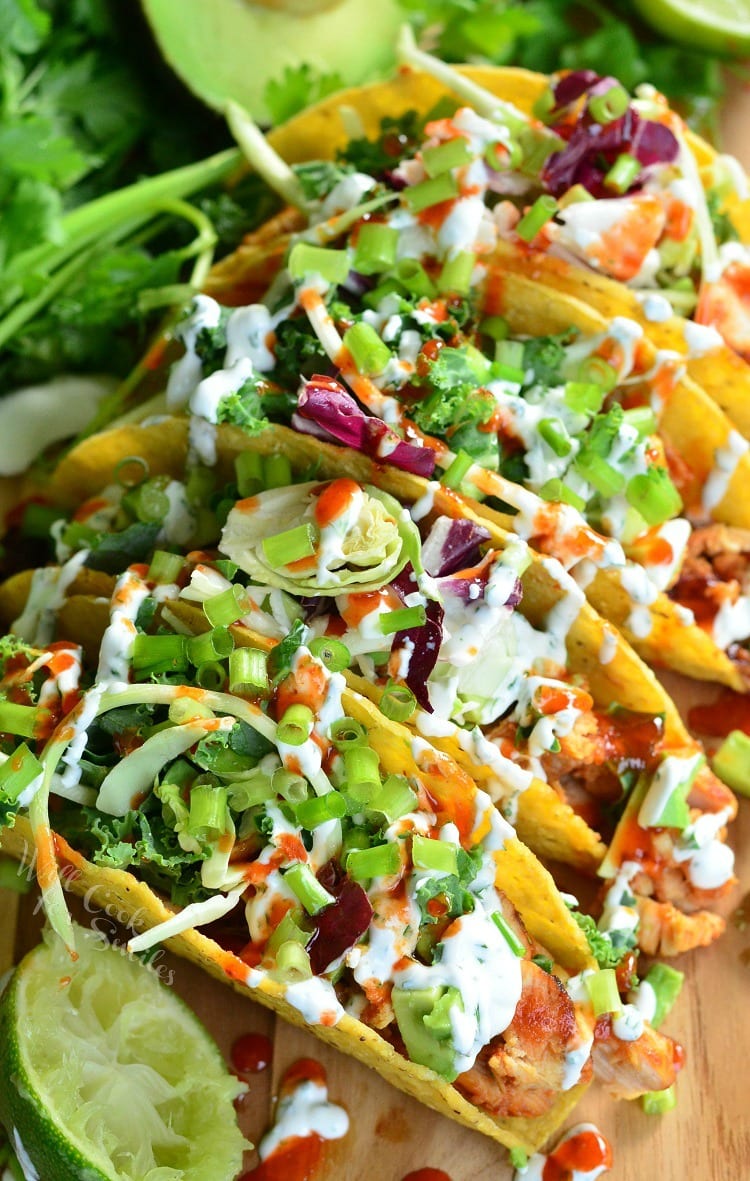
(707, 1136)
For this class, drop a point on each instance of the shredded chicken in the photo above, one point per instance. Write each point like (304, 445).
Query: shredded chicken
(667, 931)
(521, 1071)
(629, 1069)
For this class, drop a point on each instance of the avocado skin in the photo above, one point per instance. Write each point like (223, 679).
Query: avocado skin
(230, 49)
(411, 1006)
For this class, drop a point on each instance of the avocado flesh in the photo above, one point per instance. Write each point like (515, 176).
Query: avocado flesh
(230, 48)
(429, 1047)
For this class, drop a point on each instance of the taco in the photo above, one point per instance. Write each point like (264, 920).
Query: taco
(346, 874)
(539, 700)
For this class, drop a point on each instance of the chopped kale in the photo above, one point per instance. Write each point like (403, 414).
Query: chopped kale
(606, 949)
(114, 552)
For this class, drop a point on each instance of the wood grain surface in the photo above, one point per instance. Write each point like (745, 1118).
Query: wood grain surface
(707, 1136)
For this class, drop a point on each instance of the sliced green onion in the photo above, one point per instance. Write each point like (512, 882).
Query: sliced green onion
(248, 469)
(247, 793)
(518, 1158)
(214, 645)
(659, 1102)
(306, 888)
(544, 105)
(346, 733)
(602, 989)
(354, 838)
(395, 798)
(159, 653)
(331, 265)
(149, 501)
(444, 157)
(597, 371)
(583, 397)
(19, 770)
(667, 983)
(319, 810)
(362, 772)
(375, 250)
(510, 354)
(455, 277)
(496, 327)
(288, 931)
(296, 725)
(165, 567)
(376, 862)
(21, 720)
(374, 298)
(625, 170)
(211, 675)
(248, 671)
(441, 856)
(331, 652)
(642, 419)
(458, 469)
(131, 471)
(290, 546)
(543, 209)
(598, 472)
(227, 607)
(556, 490)
(277, 471)
(575, 196)
(509, 935)
(506, 373)
(503, 157)
(555, 435)
(654, 496)
(412, 276)
(293, 962)
(208, 809)
(78, 535)
(605, 108)
(431, 192)
(225, 567)
(398, 702)
(38, 519)
(369, 353)
(402, 620)
(292, 788)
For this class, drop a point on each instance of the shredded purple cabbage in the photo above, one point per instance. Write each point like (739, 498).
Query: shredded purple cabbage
(452, 545)
(340, 925)
(573, 85)
(326, 410)
(423, 644)
(593, 148)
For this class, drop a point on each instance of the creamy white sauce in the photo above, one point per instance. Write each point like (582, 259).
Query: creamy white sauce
(726, 460)
(701, 338)
(643, 998)
(672, 773)
(656, 308)
(608, 646)
(628, 1024)
(305, 1112)
(534, 1170)
(731, 622)
(116, 648)
(34, 417)
(49, 584)
(316, 1000)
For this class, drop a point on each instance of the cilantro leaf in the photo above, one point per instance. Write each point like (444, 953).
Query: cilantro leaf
(319, 177)
(607, 949)
(243, 408)
(114, 552)
(545, 355)
(297, 88)
(298, 352)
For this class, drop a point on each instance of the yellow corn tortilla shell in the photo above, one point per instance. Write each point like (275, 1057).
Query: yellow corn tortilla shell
(137, 906)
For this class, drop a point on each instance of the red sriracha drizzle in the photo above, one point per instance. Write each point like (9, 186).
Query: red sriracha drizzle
(730, 711)
(299, 1158)
(251, 1053)
(426, 1175)
(582, 1150)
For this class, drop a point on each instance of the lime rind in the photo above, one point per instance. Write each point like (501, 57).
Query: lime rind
(110, 1077)
(720, 26)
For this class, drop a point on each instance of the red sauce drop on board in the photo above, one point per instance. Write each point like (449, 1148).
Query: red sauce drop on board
(426, 1175)
(293, 1160)
(585, 1151)
(251, 1053)
(730, 711)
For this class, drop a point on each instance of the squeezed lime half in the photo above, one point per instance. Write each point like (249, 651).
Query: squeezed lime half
(106, 1074)
(720, 26)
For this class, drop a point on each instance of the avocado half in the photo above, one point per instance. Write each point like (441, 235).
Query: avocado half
(225, 49)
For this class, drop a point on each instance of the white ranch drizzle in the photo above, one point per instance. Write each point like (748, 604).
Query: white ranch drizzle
(306, 1111)
(726, 459)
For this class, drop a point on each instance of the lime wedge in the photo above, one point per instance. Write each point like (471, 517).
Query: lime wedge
(106, 1074)
(718, 26)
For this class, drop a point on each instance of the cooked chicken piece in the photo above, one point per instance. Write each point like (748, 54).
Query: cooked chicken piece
(667, 931)
(709, 794)
(630, 1069)
(522, 1070)
(378, 1012)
